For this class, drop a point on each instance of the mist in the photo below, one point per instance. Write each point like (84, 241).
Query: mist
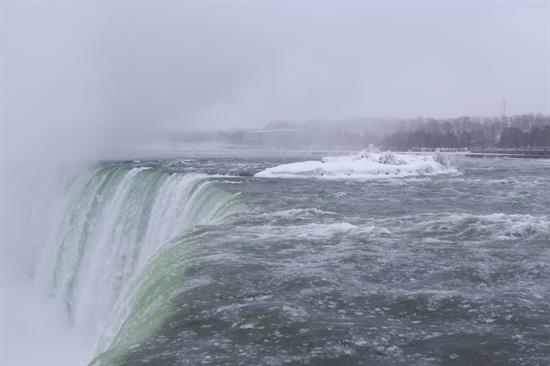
(86, 78)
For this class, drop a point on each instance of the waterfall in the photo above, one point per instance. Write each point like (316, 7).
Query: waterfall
(105, 224)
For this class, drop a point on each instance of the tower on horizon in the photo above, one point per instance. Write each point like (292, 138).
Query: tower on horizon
(503, 107)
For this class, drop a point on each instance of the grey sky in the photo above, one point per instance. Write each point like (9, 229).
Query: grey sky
(104, 68)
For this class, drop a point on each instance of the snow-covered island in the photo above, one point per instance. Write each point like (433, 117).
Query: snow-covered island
(367, 164)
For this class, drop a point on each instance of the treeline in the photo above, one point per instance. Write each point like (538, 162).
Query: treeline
(525, 131)
(522, 131)
(516, 137)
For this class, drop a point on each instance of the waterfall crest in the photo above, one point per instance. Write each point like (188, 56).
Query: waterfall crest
(106, 224)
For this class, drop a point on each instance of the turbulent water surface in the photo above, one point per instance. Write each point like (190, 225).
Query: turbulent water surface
(196, 261)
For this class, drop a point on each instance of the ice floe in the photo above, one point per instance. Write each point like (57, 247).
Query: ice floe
(367, 164)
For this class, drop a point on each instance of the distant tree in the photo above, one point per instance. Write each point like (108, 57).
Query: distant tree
(513, 137)
(529, 130)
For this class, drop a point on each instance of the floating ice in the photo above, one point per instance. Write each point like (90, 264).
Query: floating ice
(367, 164)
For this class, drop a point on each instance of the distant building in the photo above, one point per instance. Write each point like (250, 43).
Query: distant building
(280, 138)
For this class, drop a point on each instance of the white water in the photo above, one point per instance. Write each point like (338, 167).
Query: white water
(33, 328)
(92, 232)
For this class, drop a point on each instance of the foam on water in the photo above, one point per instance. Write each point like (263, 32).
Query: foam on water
(497, 226)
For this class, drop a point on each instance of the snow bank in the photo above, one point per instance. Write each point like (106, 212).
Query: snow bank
(367, 164)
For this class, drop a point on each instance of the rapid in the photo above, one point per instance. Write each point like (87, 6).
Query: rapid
(198, 261)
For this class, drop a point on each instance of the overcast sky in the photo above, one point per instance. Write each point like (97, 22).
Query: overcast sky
(110, 67)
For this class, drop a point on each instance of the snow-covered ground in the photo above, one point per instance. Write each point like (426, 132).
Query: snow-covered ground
(367, 164)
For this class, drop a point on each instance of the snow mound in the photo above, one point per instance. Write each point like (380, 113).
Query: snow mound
(367, 164)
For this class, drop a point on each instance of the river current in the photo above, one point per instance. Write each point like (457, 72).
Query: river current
(196, 261)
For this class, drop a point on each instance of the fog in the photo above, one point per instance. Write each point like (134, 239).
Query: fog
(86, 77)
